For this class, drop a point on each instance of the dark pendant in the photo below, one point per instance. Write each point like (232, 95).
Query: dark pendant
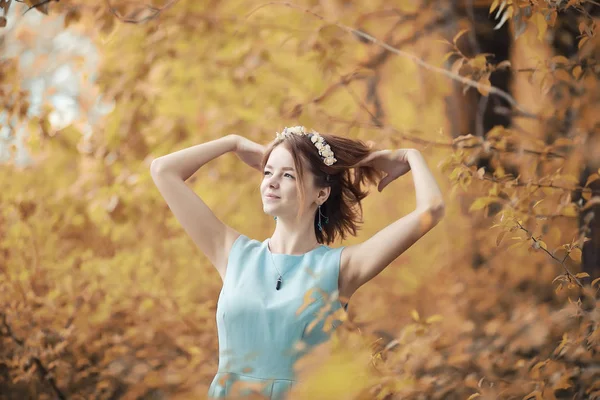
(278, 286)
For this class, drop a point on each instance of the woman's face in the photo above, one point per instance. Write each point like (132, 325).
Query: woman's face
(280, 179)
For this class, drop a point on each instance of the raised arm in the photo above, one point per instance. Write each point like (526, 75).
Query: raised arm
(170, 172)
(362, 262)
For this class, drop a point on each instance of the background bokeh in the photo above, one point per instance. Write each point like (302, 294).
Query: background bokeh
(103, 296)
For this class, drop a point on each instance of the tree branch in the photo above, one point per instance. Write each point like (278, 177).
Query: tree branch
(469, 82)
(156, 11)
(536, 241)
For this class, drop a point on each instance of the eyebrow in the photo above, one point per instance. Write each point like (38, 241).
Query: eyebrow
(283, 169)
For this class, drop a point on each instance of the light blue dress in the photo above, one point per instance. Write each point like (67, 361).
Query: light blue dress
(263, 331)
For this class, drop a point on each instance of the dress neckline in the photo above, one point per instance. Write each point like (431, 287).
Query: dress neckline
(266, 242)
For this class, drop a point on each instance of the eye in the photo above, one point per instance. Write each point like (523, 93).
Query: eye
(286, 174)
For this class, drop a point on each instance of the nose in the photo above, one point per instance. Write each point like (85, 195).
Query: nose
(272, 181)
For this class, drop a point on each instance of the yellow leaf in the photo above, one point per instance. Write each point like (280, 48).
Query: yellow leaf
(505, 17)
(569, 211)
(485, 89)
(447, 56)
(577, 71)
(575, 255)
(504, 64)
(592, 178)
(479, 62)
(582, 275)
(481, 172)
(541, 25)
(494, 5)
(415, 315)
(434, 318)
(558, 288)
(559, 60)
(582, 42)
(537, 203)
(499, 238)
(459, 34)
(564, 341)
(481, 202)
(516, 244)
(563, 383)
(595, 281)
(473, 396)
(457, 65)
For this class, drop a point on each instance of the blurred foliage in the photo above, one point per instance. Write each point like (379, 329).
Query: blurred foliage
(103, 296)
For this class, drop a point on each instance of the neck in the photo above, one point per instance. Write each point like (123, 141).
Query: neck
(291, 237)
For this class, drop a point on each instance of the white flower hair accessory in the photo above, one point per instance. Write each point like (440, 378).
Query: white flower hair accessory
(324, 150)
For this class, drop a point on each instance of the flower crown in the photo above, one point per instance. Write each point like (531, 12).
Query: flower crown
(324, 150)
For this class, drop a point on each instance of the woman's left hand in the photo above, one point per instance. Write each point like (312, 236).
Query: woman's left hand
(393, 162)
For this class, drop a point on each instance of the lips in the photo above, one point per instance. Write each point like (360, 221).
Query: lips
(272, 196)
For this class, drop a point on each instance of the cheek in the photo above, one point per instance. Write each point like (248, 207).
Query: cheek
(264, 183)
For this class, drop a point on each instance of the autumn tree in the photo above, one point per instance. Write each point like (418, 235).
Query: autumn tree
(103, 296)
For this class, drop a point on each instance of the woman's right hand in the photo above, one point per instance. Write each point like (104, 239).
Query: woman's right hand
(249, 152)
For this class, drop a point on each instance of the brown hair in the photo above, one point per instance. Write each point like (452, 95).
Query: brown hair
(343, 206)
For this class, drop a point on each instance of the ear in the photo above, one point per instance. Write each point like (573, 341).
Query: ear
(323, 194)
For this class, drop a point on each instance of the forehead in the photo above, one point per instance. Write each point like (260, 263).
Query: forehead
(280, 157)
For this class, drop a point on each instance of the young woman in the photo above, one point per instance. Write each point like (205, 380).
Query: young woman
(283, 296)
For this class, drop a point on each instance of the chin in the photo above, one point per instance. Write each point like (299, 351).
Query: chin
(268, 210)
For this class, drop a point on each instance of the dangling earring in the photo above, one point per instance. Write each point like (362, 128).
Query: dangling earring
(275, 218)
(326, 220)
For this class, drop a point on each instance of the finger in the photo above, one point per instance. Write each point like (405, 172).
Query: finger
(384, 182)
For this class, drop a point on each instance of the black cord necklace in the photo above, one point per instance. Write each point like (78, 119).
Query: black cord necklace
(280, 276)
(279, 282)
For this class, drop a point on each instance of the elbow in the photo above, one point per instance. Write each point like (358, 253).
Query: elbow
(434, 212)
(162, 168)
(157, 167)
(438, 211)
(154, 167)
